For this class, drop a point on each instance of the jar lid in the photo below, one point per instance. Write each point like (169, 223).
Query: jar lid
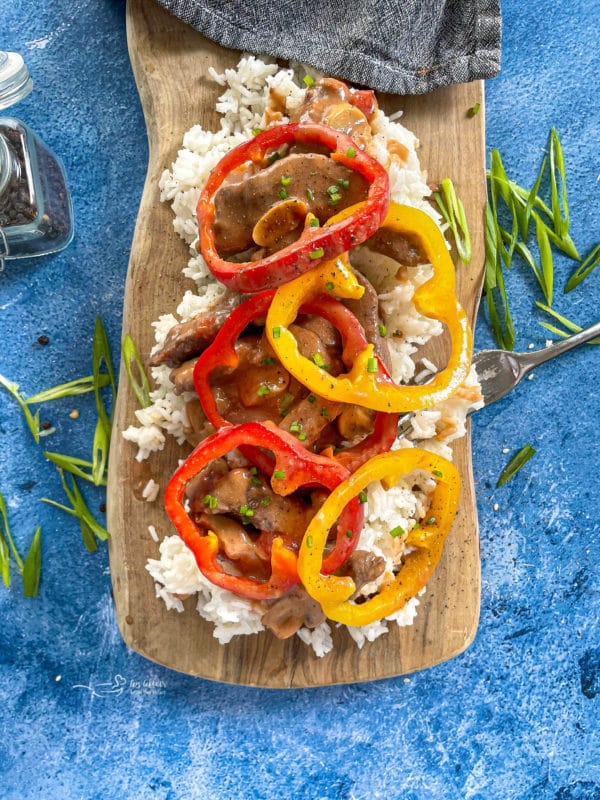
(15, 81)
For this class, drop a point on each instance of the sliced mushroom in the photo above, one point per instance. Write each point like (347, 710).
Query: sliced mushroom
(279, 221)
(354, 423)
(183, 376)
(351, 121)
(292, 611)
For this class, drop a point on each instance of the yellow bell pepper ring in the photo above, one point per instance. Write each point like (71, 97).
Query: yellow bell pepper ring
(426, 540)
(366, 383)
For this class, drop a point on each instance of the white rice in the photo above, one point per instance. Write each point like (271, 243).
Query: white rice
(176, 575)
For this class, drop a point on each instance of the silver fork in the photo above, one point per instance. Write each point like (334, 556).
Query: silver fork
(499, 371)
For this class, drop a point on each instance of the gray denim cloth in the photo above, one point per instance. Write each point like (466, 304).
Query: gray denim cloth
(399, 46)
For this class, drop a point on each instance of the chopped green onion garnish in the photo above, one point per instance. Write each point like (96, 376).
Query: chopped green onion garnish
(245, 511)
(397, 531)
(285, 180)
(348, 534)
(256, 131)
(310, 195)
(437, 473)
(33, 565)
(515, 464)
(101, 358)
(283, 194)
(33, 421)
(362, 497)
(70, 389)
(274, 157)
(372, 365)
(557, 165)
(266, 501)
(344, 183)
(311, 398)
(276, 332)
(90, 527)
(295, 427)
(314, 222)
(546, 259)
(453, 211)
(268, 361)
(256, 481)
(139, 383)
(325, 412)
(30, 568)
(572, 327)
(263, 390)
(309, 541)
(382, 330)
(318, 253)
(318, 359)
(308, 81)
(474, 109)
(302, 437)
(431, 521)
(279, 474)
(286, 403)
(253, 470)
(329, 286)
(583, 270)
(73, 465)
(351, 152)
(210, 500)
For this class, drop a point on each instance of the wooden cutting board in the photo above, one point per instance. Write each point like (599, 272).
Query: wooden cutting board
(170, 62)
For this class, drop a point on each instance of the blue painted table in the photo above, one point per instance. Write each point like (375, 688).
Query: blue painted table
(517, 715)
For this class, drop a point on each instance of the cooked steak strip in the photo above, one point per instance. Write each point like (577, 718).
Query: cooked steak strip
(183, 376)
(190, 338)
(239, 206)
(236, 543)
(363, 567)
(311, 417)
(322, 328)
(366, 311)
(400, 247)
(198, 427)
(291, 612)
(311, 345)
(203, 484)
(241, 492)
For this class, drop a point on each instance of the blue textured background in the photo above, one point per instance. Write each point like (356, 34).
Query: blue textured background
(517, 715)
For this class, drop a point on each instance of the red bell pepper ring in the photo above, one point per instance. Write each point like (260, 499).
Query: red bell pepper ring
(365, 101)
(221, 353)
(315, 243)
(294, 467)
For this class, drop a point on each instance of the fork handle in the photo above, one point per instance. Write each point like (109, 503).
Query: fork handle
(532, 359)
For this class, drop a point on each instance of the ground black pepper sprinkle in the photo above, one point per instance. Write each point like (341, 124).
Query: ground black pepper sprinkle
(43, 339)
(102, 507)
(46, 425)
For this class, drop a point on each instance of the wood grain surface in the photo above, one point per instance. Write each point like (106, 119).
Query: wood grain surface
(170, 62)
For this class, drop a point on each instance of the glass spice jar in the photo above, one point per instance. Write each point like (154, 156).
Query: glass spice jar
(36, 216)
